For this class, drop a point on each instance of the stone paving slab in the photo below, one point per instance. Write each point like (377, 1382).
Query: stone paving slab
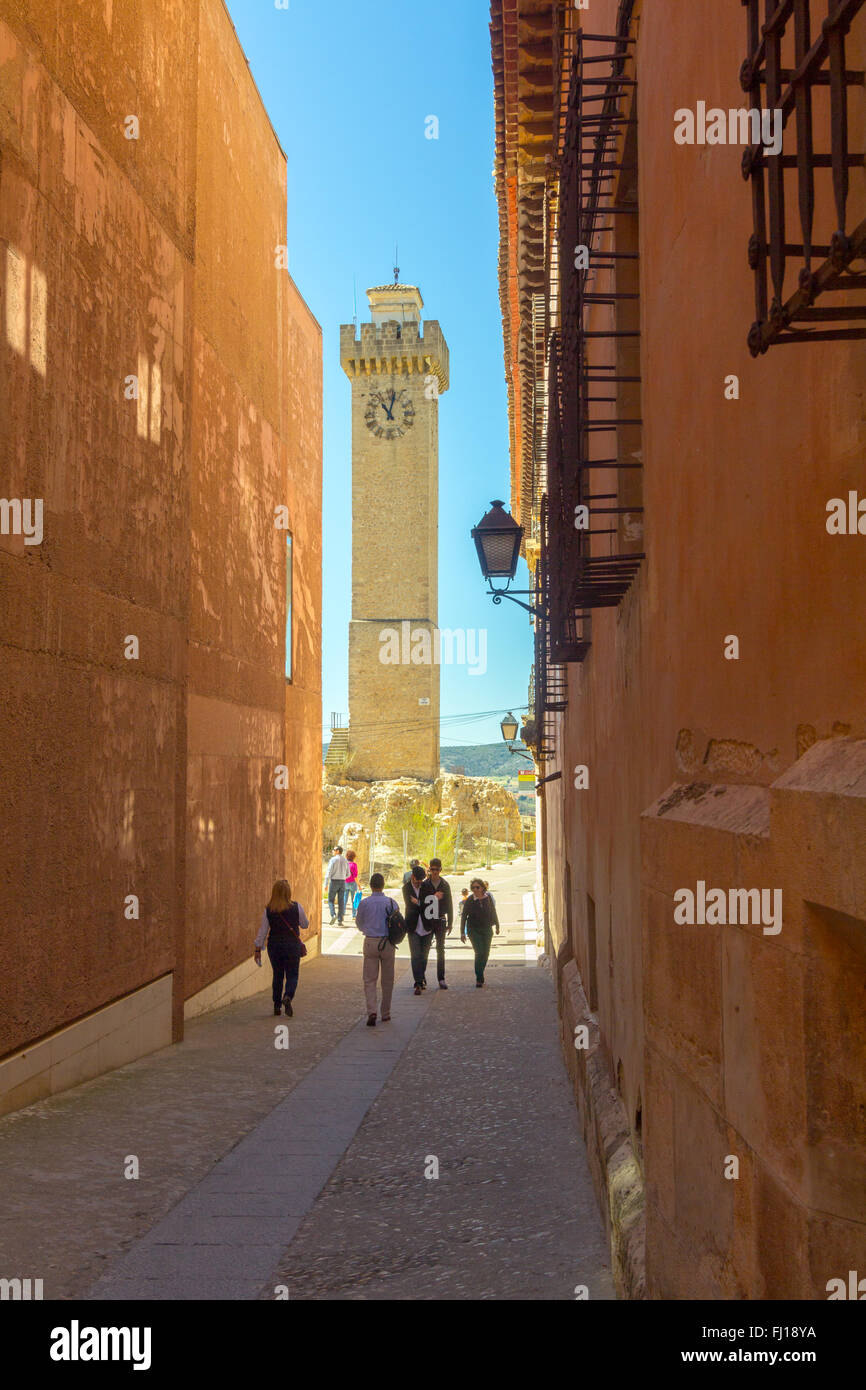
(317, 1121)
(67, 1211)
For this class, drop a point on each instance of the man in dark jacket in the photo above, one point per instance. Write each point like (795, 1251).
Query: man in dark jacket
(437, 913)
(418, 933)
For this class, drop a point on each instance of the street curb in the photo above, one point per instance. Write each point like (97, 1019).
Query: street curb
(614, 1164)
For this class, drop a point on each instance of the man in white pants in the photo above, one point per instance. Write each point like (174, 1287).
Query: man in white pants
(372, 920)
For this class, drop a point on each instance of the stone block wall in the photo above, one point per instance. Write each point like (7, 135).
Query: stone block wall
(754, 1040)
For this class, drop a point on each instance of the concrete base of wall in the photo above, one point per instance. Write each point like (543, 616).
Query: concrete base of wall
(129, 1028)
(613, 1162)
(241, 982)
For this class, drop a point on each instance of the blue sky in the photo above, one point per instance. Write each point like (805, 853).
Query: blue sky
(349, 87)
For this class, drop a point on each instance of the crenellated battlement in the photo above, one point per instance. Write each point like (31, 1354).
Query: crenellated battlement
(393, 348)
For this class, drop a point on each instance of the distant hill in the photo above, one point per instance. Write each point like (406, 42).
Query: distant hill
(478, 760)
(483, 760)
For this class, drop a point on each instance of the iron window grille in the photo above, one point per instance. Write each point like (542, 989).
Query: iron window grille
(599, 561)
(814, 96)
(551, 680)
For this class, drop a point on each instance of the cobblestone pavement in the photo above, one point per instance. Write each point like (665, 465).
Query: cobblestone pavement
(331, 1139)
(482, 1089)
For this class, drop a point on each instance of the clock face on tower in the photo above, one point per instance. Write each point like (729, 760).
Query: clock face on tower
(390, 413)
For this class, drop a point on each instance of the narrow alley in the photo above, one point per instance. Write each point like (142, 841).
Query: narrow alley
(307, 1172)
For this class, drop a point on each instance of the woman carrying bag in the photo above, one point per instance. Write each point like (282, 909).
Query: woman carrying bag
(281, 928)
(353, 895)
(477, 922)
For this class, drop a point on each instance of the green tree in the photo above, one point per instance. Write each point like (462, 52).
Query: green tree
(422, 830)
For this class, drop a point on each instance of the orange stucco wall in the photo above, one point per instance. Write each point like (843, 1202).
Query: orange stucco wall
(714, 1033)
(154, 776)
(256, 426)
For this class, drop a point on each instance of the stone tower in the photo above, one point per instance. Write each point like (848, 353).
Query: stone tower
(398, 368)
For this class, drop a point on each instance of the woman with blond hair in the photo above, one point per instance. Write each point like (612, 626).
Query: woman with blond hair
(478, 919)
(281, 928)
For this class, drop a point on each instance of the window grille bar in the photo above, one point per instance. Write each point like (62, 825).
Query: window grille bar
(775, 171)
(608, 38)
(820, 79)
(839, 123)
(830, 336)
(805, 153)
(822, 315)
(819, 161)
(605, 463)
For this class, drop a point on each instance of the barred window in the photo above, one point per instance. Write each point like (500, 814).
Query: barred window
(813, 288)
(595, 488)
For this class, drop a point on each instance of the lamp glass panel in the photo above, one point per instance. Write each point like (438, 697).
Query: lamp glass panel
(499, 551)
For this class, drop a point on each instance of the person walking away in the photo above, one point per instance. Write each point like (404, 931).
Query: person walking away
(420, 935)
(335, 882)
(437, 911)
(281, 928)
(371, 920)
(477, 922)
(408, 874)
(351, 881)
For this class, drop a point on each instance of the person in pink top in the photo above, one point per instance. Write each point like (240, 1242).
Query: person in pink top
(351, 881)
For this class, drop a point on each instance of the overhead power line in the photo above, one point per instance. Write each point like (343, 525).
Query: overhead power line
(428, 722)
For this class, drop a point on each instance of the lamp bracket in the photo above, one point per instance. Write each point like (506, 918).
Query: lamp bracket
(519, 753)
(499, 594)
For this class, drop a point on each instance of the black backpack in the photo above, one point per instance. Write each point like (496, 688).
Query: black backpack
(396, 928)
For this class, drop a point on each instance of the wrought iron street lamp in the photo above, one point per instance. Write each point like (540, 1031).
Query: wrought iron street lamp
(498, 538)
(509, 733)
(509, 728)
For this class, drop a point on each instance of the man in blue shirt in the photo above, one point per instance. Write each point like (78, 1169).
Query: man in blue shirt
(335, 882)
(372, 921)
